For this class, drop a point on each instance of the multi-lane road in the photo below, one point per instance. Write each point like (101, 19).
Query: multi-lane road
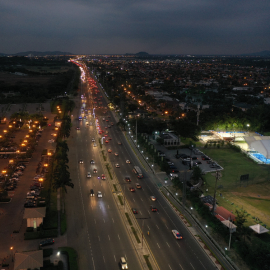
(96, 229)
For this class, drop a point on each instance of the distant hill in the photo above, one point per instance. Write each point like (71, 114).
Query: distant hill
(142, 54)
(262, 54)
(35, 53)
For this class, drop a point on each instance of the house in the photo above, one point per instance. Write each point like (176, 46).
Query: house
(222, 214)
(170, 139)
(28, 260)
(34, 216)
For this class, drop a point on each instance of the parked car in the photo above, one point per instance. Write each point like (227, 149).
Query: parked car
(46, 242)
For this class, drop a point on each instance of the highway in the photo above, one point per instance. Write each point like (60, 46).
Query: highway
(95, 226)
(106, 239)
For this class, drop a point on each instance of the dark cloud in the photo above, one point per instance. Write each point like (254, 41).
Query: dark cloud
(120, 26)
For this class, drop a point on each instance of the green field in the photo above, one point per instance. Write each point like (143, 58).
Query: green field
(254, 196)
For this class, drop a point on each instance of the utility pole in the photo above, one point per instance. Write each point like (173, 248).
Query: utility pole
(214, 203)
(198, 114)
(184, 188)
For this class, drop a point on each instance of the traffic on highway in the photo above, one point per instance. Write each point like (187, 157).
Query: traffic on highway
(106, 242)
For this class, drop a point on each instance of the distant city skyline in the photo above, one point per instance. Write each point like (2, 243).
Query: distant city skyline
(120, 26)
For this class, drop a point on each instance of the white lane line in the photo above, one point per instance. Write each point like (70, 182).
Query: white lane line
(103, 259)
(170, 267)
(100, 207)
(104, 220)
(168, 244)
(148, 228)
(93, 262)
(95, 221)
(133, 199)
(108, 206)
(178, 244)
(113, 220)
(148, 212)
(114, 258)
(181, 266)
(166, 226)
(192, 266)
(158, 245)
(142, 199)
(109, 238)
(157, 226)
(118, 236)
(98, 238)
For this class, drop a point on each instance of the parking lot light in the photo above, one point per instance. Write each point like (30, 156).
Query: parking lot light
(5, 131)
(40, 179)
(58, 253)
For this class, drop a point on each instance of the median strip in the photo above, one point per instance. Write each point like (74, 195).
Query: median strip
(128, 218)
(146, 257)
(136, 235)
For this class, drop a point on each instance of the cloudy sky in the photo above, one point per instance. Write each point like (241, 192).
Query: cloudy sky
(130, 26)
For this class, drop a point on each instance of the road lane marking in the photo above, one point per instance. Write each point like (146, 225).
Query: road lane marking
(157, 226)
(181, 266)
(93, 262)
(95, 221)
(103, 259)
(141, 199)
(148, 227)
(113, 220)
(158, 245)
(178, 244)
(170, 267)
(98, 238)
(104, 220)
(109, 238)
(108, 206)
(168, 244)
(192, 266)
(118, 236)
(166, 226)
(148, 212)
(133, 199)
(114, 258)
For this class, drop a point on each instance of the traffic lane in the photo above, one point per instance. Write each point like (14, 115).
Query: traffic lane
(152, 190)
(103, 214)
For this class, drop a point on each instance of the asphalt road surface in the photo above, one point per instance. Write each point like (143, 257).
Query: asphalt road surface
(99, 232)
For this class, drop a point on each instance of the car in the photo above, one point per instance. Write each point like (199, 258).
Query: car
(81, 161)
(99, 194)
(109, 150)
(93, 140)
(95, 170)
(116, 154)
(92, 161)
(123, 263)
(177, 156)
(78, 128)
(103, 177)
(185, 162)
(134, 210)
(153, 198)
(174, 171)
(138, 186)
(106, 141)
(127, 179)
(153, 209)
(92, 193)
(117, 165)
(194, 158)
(128, 161)
(170, 163)
(205, 158)
(119, 143)
(176, 234)
(95, 145)
(88, 175)
(46, 242)
(109, 126)
(132, 189)
(109, 137)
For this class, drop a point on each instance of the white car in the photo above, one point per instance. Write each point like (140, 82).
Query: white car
(177, 235)
(117, 165)
(95, 144)
(88, 175)
(153, 198)
(99, 194)
(128, 161)
(93, 140)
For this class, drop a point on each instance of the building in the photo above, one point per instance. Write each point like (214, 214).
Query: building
(170, 139)
(34, 216)
(28, 260)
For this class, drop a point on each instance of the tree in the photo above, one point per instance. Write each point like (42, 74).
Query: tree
(241, 218)
(197, 174)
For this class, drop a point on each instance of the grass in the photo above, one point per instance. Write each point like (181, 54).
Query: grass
(104, 157)
(109, 171)
(115, 187)
(72, 257)
(252, 197)
(120, 200)
(128, 218)
(63, 224)
(146, 257)
(136, 235)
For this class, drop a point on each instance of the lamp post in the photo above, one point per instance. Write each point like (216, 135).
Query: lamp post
(248, 125)
(191, 149)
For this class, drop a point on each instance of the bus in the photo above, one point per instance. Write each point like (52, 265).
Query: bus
(138, 171)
